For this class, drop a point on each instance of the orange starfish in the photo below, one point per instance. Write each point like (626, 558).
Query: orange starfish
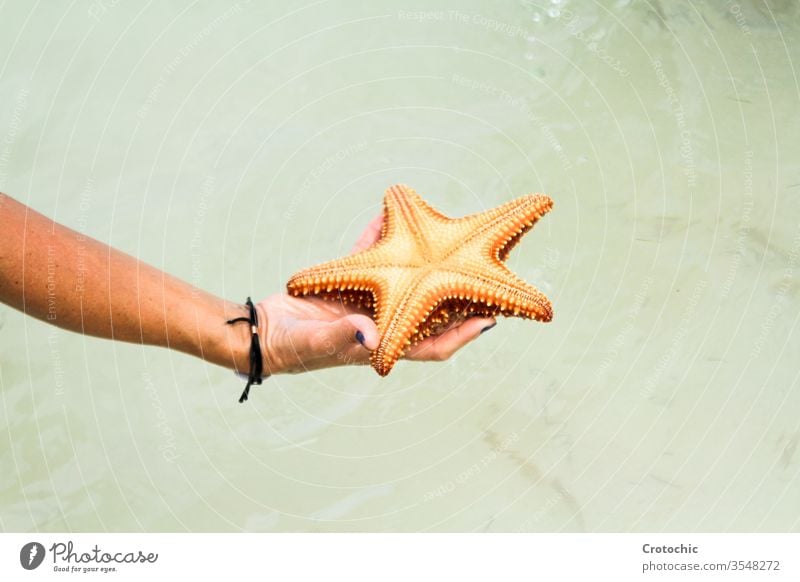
(427, 270)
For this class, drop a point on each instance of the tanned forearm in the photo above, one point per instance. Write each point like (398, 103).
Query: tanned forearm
(77, 283)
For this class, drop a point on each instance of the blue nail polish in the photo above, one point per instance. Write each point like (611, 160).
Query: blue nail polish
(488, 327)
(360, 337)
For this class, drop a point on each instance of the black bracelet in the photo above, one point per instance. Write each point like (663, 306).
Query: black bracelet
(256, 361)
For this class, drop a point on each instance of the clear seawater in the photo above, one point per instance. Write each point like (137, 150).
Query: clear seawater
(233, 144)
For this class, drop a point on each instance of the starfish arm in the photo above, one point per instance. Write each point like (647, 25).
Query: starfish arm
(404, 318)
(347, 274)
(496, 289)
(403, 304)
(498, 230)
(406, 213)
(344, 270)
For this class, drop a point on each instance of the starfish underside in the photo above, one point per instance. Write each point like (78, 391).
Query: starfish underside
(427, 271)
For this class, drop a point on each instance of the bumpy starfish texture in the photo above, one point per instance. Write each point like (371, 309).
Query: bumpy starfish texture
(427, 271)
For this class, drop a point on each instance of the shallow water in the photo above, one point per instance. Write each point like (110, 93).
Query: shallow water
(234, 144)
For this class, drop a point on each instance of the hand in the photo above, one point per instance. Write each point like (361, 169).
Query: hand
(309, 333)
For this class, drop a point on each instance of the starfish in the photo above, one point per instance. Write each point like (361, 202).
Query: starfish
(427, 271)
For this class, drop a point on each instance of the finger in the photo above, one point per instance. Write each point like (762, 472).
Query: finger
(370, 235)
(443, 346)
(353, 334)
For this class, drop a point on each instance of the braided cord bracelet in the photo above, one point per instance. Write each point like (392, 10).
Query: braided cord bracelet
(256, 360)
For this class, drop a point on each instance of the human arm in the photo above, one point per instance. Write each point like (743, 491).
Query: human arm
(78, 283)
(73, 281)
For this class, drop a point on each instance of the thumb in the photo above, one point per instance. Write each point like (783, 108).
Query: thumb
(347, 332)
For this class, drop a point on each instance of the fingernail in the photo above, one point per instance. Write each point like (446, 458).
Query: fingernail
(488, 327)
(360, 337)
